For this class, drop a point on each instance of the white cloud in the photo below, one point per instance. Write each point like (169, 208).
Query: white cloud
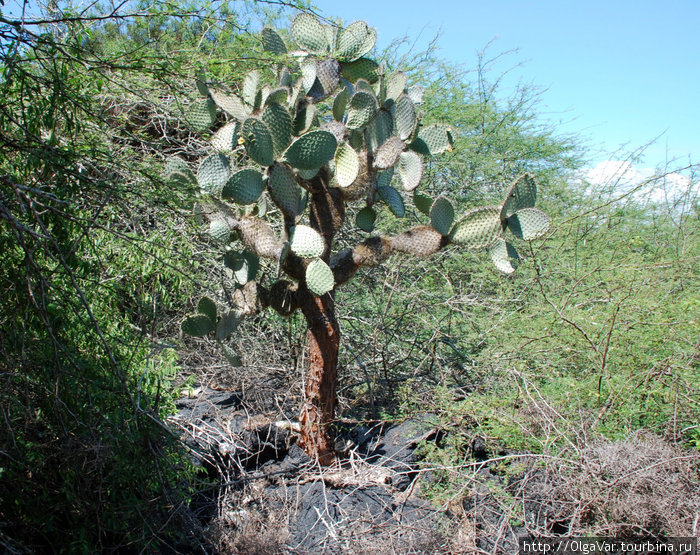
(615, 178)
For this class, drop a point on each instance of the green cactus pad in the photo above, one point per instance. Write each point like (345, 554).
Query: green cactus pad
(363, 68)
(355, 41)
(406, 117)
(213, 173)
(415, 93)
(388, 154)
(244, 266)
(250, 88)
(279, 95)
(396, 85)
(219, 231)
(347, 165)
(528, 223)
(303, 201)
(442, 215)
(243, 187)
(361, 109)
(410, 170)
(279, 123)
(310, 34)
(272, 42)
(384, 177)
(393, 200)
(225, 139)
(230, 104)
(521, 194)
(340, 103)
(200, 115)
(258, 141)
(197, 325)
(478, 228)
(207, 307)
(306, 242)
(176, 170)
(504, 256)
(379, 130)
(284, 190)
(312, 150)
(433, 139)
(365, 219)
(232, 356)
(326, 81)
(422, 202)
(319, 277)
(304, 118)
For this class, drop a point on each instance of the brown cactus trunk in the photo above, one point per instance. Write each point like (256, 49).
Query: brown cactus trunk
(320, 399)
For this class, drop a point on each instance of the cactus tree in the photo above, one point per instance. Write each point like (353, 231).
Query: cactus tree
(333, 135)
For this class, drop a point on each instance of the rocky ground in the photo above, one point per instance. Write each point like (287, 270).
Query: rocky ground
(273, 499)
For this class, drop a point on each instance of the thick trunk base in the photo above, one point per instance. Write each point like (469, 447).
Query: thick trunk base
(320, 399)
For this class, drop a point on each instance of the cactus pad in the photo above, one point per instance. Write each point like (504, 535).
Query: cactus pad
(219, 231)
(200, 115)
(207, 307)
(230, 104)
(279, 123)
(327, 78)
(361, 109)
(347, 165)
(232, 356)
(393, 200)
(365, 219)
(243, 187)
(442, 215)
(224, 140)
(521, 194)
(433, 139)
(379, 130)
(312, 150)
(355, 41)
(410, 170)
(244, 266)
(406, 118)
(396, 85)
(388, 154)
(340, 103)
(478, 228)
(258, 141)
(176, 170)
(257, 236)
(362, 68)
(528, 223)
(319, 277)
(504, 256)
(213, 173)
(306, 242)
(310, 34)
(419, 241)
(250, 88)
(284, 190)
(272, 42)
(197, 325)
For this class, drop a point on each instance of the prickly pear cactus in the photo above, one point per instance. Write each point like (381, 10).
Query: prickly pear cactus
(326, 139)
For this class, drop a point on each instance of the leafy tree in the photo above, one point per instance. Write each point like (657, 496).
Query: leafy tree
(333, 129)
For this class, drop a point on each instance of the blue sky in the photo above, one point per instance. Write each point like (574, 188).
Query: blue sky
(616, 72)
